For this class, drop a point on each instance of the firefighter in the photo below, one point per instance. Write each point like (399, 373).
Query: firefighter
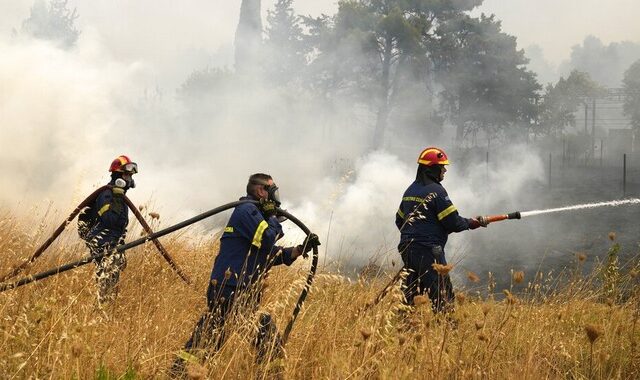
(247, 251)
(425, 218)
(103, 226)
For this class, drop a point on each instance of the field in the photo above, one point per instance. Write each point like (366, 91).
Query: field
(565, 325)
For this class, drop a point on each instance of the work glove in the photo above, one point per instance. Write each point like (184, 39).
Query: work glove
(312, 240)
(478, 221)
(268, 208)
(117, 204)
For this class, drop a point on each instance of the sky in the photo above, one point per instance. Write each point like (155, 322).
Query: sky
(557, 25)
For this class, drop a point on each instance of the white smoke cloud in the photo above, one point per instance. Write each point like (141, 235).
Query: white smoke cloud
(58, 108)
(359, 209)
(67, 114)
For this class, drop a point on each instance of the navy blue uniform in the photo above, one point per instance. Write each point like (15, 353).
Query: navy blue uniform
(111, 216)
(425, 218)
(247, 247)
(247, 252)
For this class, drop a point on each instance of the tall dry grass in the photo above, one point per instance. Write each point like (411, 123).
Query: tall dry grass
(563, 326)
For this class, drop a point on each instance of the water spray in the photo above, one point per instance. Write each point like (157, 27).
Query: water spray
(584, 206)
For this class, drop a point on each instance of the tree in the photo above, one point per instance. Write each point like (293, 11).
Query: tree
(285, 50)
(53, 22)
(604, 63)
(248, 40)
(631, 85)
(561, 101)
(486, 86)
(376, 46)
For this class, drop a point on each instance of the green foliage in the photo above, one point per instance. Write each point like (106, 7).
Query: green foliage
(605, 63)
(611, 273)
(380, 50)
(285, 48)
(417, 63)
(53, 22)
(561, 101)
(104, 373)
(631, 85)
(486, 86)
(202, 84)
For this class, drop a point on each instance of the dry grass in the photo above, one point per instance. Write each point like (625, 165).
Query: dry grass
(53, 329)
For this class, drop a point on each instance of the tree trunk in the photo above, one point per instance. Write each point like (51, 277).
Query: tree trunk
(383, 112)
(248, 39)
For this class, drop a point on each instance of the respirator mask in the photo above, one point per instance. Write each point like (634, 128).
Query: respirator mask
(274, 194)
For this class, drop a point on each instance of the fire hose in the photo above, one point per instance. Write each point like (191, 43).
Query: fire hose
(168, 230)
(489, 219)
(87, 202)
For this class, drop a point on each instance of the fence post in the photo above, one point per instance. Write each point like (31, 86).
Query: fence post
(549, 170)
(624, 175)
(564, 151)
(487, 161)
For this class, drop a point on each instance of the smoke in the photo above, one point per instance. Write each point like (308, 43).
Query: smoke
(545, 71)
(356, 214)
(58, 108)
(605, 64)
(67, 113)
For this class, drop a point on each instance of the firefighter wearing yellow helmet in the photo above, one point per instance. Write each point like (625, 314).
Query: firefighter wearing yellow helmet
(425, 218)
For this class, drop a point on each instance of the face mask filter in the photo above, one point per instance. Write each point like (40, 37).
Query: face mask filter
(274, 194)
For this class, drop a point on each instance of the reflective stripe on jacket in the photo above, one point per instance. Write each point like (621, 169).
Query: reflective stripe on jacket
(247, 247)
(427, 216)
(111, 221)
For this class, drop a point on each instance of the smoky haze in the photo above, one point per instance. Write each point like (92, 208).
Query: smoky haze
(131, 85)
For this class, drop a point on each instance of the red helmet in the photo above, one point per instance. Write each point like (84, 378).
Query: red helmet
(123, 164)
(433, 156)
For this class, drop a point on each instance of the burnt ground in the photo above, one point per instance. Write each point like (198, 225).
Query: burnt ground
(551, 242)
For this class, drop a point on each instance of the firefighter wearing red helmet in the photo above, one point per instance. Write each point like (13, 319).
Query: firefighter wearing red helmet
(425, 218)
(103, 226)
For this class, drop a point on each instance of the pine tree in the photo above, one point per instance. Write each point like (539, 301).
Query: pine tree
(53, 21)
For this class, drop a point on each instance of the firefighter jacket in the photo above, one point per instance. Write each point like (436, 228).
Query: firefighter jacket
(247, 247)
(111, 218)
(426, 215)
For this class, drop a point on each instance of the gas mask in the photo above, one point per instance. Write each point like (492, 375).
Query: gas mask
(131, 183)
(125, 183)
(274, 194)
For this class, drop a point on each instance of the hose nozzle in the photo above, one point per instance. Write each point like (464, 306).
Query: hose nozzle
(498, 218)
(514, 215)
